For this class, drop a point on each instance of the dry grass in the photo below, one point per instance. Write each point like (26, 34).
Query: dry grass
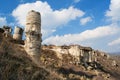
(15, 64)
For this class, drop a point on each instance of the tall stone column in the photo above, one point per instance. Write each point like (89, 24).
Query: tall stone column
(33, 33)
(18, 32)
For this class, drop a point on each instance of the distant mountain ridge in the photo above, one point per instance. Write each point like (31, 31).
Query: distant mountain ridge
(115, 53)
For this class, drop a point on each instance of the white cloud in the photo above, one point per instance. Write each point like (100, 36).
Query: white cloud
(99, 32)
(84, 21)
(114, 10)
(51, 19)
(76, 1)
(115, 42)
(2, 21)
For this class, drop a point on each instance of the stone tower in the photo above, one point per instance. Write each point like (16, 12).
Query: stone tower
(18, 32)
(33, 33)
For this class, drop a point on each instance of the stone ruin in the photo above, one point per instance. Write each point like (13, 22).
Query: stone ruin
(18, 32)
(33, 33)
(7, 31)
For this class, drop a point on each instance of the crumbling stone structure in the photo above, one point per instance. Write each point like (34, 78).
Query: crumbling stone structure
(7, 31)
(18, 32)
(33, 33)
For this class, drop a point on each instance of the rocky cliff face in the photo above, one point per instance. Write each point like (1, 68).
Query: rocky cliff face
(81, 54)
(78, 59)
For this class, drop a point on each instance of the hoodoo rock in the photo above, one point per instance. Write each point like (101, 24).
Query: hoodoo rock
(33, 33)
(18, 32)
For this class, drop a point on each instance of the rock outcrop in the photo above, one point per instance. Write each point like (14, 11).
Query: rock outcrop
(7, 31)
(33, 33)
(81, 54)
(18, 32)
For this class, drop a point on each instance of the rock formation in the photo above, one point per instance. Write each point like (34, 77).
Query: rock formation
(7, 31)
(18, 32)
(81, 54)
(33, 33)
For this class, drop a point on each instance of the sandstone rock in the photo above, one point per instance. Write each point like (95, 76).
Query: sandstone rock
(33, 33)
(18, 32)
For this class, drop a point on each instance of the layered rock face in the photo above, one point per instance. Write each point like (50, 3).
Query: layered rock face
(33, 33)
(18, 32)
(81, 54)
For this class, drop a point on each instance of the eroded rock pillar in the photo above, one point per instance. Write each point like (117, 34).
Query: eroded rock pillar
(18, 32)
(33, 33)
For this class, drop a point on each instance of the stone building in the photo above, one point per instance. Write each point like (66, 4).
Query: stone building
(33, 33)
(18, 32)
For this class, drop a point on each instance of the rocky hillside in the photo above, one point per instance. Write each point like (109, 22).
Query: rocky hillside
(15, 64)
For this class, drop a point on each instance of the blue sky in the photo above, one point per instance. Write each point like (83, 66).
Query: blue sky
(94, 23)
